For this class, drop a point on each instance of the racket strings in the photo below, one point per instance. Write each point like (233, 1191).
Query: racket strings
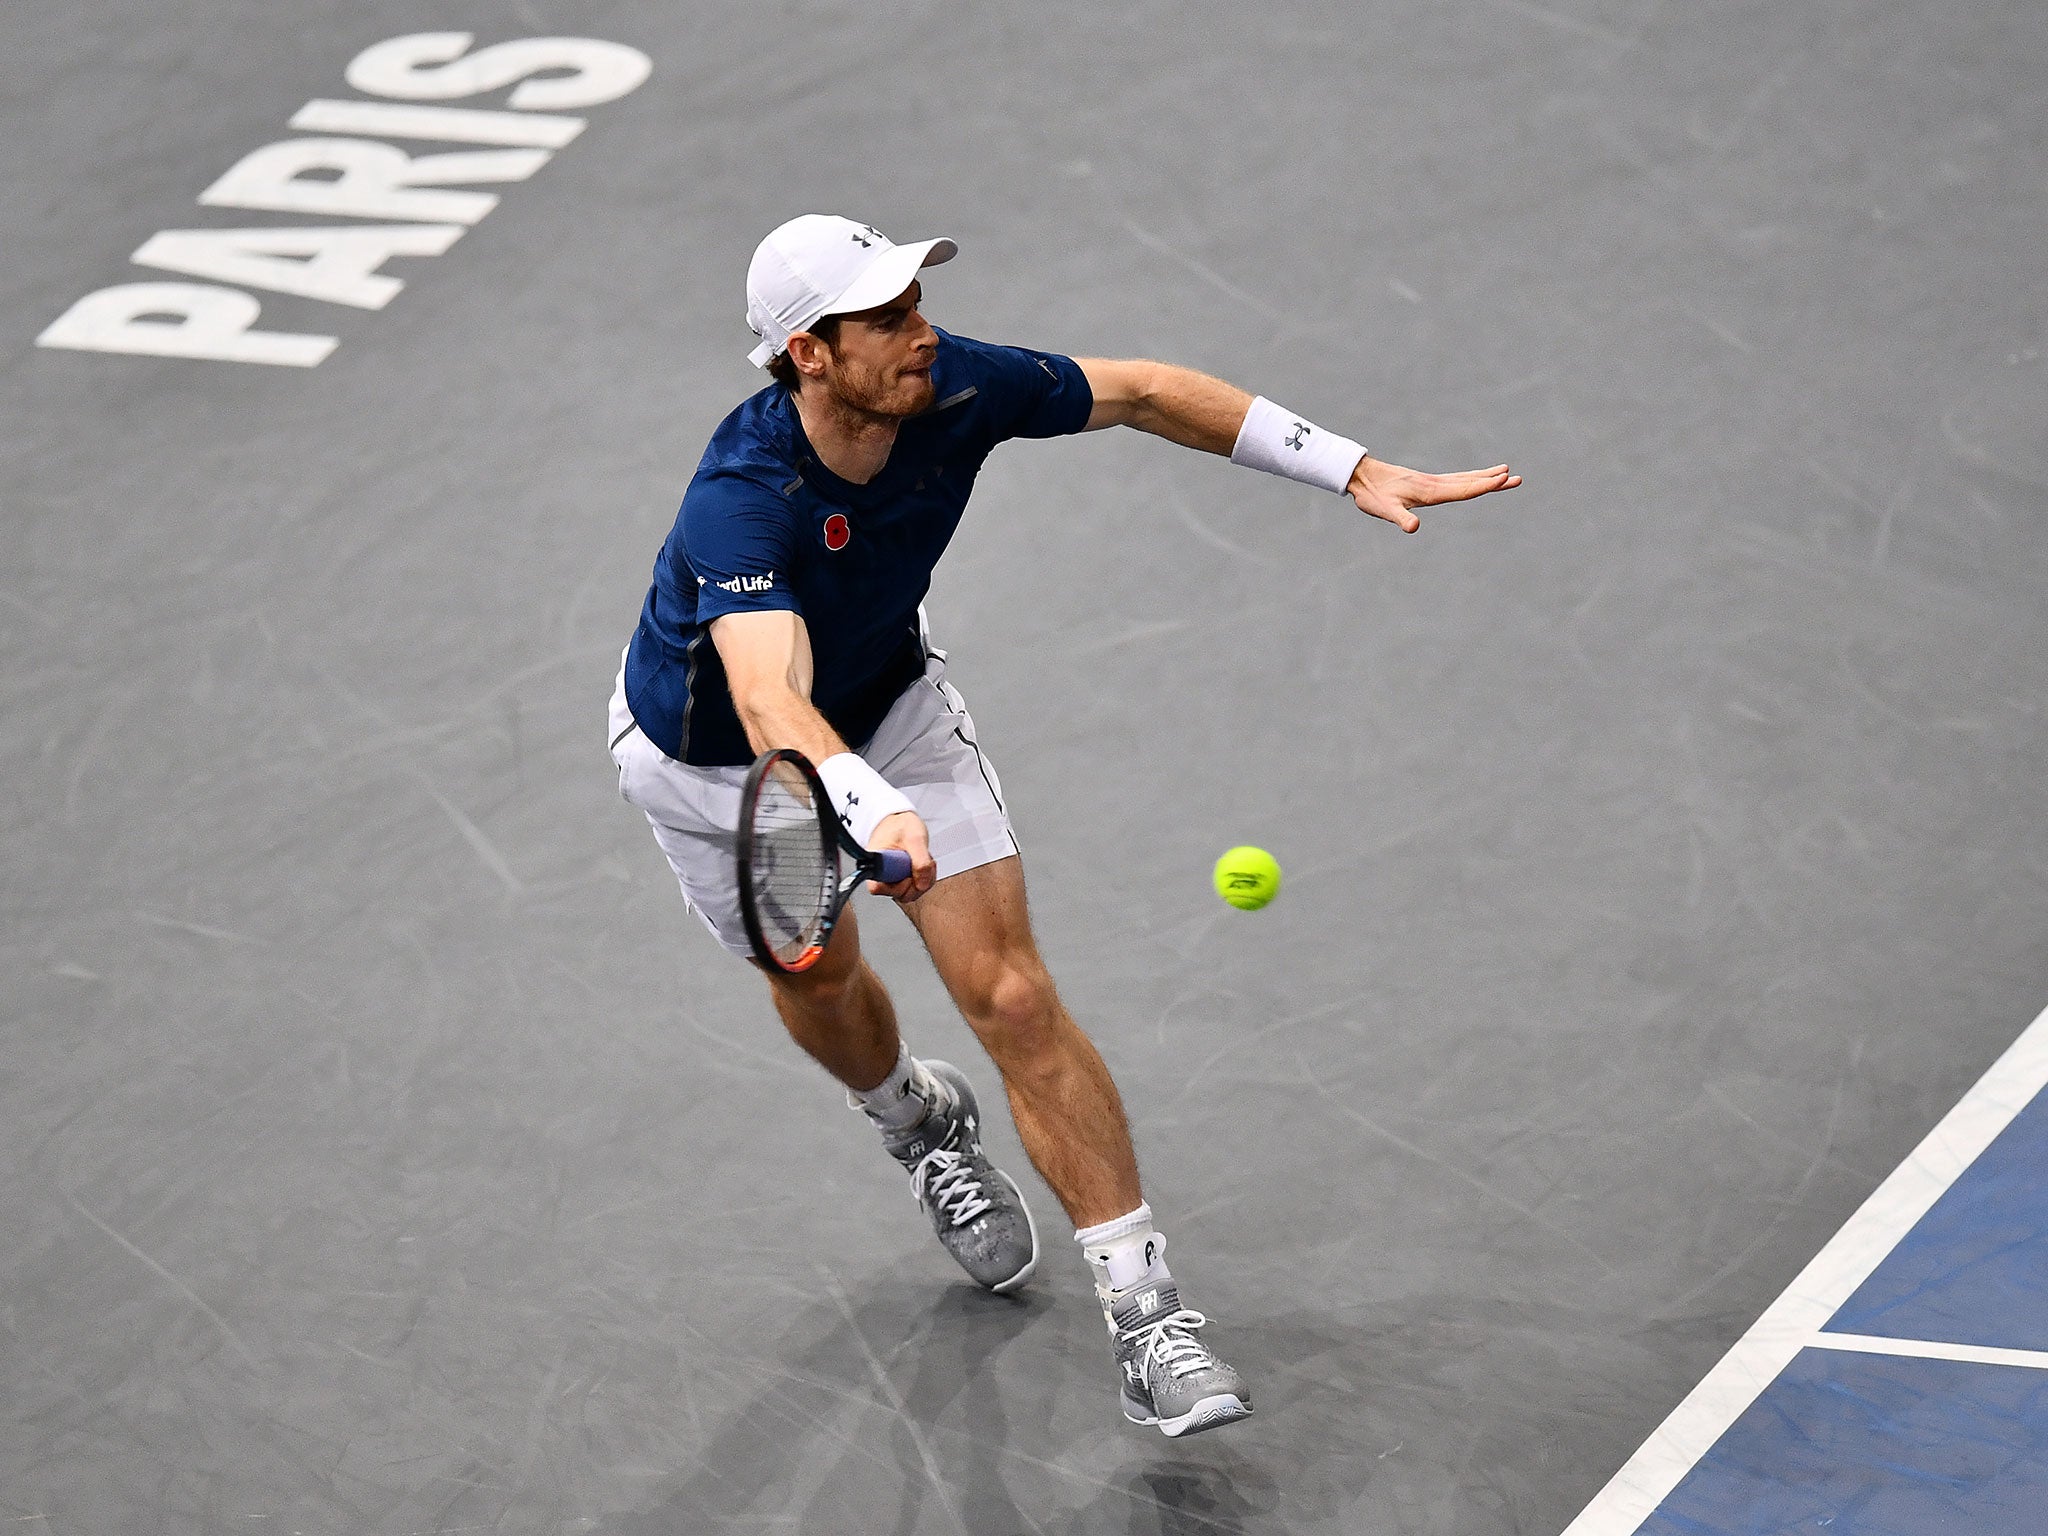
(793, 870)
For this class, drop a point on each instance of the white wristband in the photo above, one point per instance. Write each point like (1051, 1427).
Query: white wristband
(861, 796)
(1281, 443)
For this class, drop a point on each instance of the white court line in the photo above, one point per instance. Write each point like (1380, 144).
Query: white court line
(1793, 1322)
(1925, 1349)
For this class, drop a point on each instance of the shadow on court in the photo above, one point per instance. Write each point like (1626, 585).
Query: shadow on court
(864, 1402)
(887, 1408)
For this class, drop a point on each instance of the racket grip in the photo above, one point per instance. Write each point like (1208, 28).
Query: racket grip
(891, 865)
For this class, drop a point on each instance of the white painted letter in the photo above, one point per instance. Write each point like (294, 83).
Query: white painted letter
(452, 125)
(340, 265)
(376, 181)
(180, 320)
(430, 66)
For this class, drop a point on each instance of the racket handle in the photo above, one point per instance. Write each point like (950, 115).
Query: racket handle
(891, 865)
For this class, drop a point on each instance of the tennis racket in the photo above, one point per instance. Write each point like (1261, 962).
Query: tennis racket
(792, 884)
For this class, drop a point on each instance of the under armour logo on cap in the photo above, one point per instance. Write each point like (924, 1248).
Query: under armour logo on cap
(820, 264)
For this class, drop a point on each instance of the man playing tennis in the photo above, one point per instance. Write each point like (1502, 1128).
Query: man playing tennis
(785, 611)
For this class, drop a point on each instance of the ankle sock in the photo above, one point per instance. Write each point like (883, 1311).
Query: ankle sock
(1125, 1252)
(900, 1099)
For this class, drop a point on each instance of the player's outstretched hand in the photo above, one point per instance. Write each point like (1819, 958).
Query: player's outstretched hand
(904, 830)
(1391, 491)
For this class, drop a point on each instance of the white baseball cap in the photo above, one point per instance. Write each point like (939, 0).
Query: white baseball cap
(820, 264)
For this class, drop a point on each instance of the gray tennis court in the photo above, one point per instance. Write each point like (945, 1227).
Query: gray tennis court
(388, 1150)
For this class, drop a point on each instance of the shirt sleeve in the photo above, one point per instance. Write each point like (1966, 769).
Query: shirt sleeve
(1027, 393)
(739, 548)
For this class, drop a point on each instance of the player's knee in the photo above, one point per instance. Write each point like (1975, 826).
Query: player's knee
(836, 983)
(1016, 1012)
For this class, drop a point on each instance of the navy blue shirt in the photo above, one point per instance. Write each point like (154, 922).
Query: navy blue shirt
(764, 525)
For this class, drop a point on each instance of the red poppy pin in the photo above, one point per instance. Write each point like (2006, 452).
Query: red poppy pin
(837, 531)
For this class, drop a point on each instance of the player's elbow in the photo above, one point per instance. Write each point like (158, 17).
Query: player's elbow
(1146, 388)
(763, 700)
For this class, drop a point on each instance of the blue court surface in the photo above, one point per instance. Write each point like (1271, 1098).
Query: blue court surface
(1920, 1406)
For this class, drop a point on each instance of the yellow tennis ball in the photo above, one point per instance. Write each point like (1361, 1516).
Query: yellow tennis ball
(1247, 878)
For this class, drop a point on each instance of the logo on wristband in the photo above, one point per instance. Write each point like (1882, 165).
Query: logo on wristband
(1301, 430)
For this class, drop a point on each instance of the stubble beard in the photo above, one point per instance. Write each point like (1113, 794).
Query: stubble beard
(862, 392)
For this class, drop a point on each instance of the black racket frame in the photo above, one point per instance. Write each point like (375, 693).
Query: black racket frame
(833, 839)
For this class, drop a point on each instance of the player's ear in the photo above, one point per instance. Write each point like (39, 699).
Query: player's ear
(808, 353)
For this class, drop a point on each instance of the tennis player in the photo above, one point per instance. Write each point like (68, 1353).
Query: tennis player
(785, 611)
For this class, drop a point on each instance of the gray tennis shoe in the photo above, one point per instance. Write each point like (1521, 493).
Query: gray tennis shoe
(975, 1208)
(1170, 1378)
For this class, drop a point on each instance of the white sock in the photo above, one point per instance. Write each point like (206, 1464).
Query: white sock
(1125, 1251)
(900, 1099)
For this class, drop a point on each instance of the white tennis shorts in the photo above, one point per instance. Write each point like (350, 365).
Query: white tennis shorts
(926, 746)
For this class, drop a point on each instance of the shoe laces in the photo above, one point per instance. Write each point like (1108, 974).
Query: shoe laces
(946, 1179)
(1171, 1342)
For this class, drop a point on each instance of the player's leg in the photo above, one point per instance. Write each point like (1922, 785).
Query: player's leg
(1068, 1113)
(976, 926)
(840, 1013)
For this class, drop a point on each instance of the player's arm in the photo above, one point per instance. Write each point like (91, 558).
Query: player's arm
(767, 657)
(1198, 411)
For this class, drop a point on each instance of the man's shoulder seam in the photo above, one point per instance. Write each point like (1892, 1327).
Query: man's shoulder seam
(762, 475)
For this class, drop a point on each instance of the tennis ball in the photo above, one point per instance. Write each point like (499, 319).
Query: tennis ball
(1247, 878)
